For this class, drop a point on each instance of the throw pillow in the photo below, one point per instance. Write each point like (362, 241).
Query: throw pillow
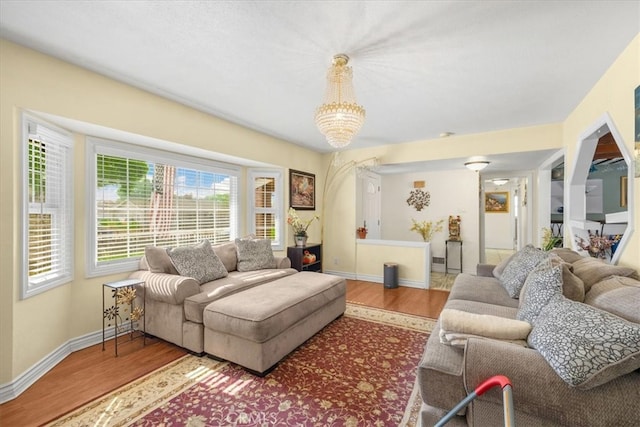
(198, 261)
(255, 254)
(593, 270)
(499, 268)
(158, 260)
(572, 285)
(540, 286)
(522, 263)
(585, 346)
(568, 255)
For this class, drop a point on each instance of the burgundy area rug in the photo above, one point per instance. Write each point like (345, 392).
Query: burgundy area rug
(355, 372)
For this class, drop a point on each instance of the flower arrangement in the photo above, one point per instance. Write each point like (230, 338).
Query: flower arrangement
(426, 229)
(549, 241)
(299, 226)
(598, 246)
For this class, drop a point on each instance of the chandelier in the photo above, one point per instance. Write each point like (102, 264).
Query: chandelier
(339, 118)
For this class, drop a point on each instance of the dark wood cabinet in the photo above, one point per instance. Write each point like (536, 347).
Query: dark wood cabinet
(296, 255)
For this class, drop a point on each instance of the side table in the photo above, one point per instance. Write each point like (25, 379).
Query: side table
(122, 313)
(446, 256)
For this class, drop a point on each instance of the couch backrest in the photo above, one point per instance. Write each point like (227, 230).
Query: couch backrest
(157, 260)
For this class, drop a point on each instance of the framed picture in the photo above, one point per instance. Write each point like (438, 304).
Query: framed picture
(496, 201)
(623, 191)
(302, 190)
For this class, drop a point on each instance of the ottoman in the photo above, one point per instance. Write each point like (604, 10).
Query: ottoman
(257, 327)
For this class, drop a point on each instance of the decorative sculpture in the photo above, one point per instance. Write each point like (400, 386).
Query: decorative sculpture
(454, 227)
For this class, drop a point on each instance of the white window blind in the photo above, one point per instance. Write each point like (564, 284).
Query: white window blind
(265, 194)
(144, 199)
(48, 207)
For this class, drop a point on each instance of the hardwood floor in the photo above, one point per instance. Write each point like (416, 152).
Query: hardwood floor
(87, 374)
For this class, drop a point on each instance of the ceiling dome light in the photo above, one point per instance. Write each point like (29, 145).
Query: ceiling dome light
(500, 181)
(339, 118)
(477, 165)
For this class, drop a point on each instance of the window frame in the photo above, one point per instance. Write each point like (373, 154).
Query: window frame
(100, 146)
(61, 206)
(278, 205)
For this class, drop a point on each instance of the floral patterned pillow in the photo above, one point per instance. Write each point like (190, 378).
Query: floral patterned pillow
(198, 261)
(255, 254)
(516, 272)
(585, 346)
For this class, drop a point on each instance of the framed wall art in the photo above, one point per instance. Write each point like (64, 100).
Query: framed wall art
(496, 201)
(302, 190)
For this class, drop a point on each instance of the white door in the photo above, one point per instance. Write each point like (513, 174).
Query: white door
(371, 204)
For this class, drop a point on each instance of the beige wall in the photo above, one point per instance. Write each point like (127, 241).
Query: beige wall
(33, 328)
(613, 94)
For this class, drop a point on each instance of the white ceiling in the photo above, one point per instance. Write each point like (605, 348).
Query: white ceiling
(420, 67)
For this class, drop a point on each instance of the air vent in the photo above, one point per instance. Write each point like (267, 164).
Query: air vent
(438, 260)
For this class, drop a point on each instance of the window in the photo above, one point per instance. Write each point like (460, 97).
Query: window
(48, 206)
(145, 197)
(265, 203)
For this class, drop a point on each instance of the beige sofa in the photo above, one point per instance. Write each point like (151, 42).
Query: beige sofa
(174, 302)
(553, 383)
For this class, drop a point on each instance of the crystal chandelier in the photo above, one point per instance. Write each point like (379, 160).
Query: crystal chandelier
(339, 118)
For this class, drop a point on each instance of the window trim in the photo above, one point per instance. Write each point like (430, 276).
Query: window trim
(95, 146)
(28, 287)
(278, 209)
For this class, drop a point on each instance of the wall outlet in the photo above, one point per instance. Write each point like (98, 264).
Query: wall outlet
(336, 261)
(438, 260)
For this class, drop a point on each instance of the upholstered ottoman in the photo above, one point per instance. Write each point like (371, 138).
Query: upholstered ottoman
(257, 327)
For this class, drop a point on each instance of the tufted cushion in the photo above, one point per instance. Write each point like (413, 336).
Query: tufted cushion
(593, 270)
(517, 270)
(255, 254)
(540, 286)
(198, 261)
(158, 260)
(585, 346)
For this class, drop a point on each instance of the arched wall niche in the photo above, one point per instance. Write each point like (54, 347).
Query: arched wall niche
(576, 196)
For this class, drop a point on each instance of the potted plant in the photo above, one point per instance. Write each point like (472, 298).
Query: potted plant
(426, 229)
(299, 227)
(362, 232)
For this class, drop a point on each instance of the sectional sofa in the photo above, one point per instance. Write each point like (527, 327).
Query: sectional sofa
(563, 328)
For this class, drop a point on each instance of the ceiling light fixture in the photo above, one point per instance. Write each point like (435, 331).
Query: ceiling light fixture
(477, 165)
(500, 181)
(339, 118)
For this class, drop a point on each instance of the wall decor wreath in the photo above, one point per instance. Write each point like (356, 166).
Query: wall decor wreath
(419, 199)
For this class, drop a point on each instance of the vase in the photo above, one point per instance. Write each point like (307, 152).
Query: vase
(300, 240)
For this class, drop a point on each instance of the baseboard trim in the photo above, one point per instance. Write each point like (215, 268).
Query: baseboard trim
(10, 391)
(377, 279)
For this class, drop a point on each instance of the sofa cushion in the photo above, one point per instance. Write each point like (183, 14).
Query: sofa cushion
(593, 270)
(158, 260)
(540, 286)
(228, 255)
(585, 346)
(572, 285)
(197, 261)
(517, 270)
(481, 289)
(254, 254)
(499, 268)
(567, 255)
(618, 295)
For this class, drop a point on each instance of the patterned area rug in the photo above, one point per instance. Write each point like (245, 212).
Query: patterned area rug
(359, 370)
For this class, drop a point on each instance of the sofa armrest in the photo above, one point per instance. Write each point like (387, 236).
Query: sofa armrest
(283, 262)
(168, 288)
(485, 270)
(539, 392)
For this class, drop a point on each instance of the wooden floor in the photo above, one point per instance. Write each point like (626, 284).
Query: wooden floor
(90, 373)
